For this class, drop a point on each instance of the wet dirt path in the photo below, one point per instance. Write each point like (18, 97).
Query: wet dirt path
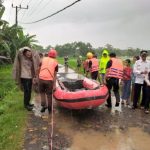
(99, 129)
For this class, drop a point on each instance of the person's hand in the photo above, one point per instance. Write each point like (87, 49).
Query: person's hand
(34, 80)
(121, 82)
(104, 82)
(54, 88)
(144, 72)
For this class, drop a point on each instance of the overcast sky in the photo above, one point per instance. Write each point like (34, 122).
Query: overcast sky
(121, 23)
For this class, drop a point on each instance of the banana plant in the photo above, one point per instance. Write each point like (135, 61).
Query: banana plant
(12, 37)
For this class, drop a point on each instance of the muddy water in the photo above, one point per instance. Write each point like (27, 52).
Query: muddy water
(88, 139)
(134, 139)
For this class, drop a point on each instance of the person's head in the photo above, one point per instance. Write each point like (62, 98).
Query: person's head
(105, 53)
(52, 53)
(80, 57)
(94, 56)
(27, 52)
(143, 54)
(41, 55)
(112, 55)
(89, 55)
(127, 62)
(46, 55)
(135, 58)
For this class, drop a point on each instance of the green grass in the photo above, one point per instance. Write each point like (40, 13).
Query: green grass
(12, 114)
(72, 63)
(6, 81)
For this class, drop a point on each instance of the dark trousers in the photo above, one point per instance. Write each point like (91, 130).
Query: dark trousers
(94, 75)
(113, 83)
(27, 88)
(137, 93)
(147, 99)
(46, 91)
(132, 92)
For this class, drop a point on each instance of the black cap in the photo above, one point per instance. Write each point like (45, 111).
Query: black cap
(143, 52)
(112, 54)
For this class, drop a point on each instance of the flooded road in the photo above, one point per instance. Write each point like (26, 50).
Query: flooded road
(93, 129)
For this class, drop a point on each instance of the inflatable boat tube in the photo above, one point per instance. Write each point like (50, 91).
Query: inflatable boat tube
(80, 94)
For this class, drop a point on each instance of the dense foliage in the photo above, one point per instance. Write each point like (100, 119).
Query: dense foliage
(12, 37)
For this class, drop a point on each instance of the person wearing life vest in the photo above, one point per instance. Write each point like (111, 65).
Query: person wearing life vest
(89, 56)
(114, 72)
(47, 79)
(103, 62)
(93, 67)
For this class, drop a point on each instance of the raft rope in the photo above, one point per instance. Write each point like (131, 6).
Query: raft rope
(50, 132)
(52, 123)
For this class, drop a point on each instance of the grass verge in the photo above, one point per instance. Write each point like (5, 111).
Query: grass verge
(12, 114)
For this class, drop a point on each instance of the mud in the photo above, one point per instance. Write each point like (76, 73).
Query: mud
(93, 129)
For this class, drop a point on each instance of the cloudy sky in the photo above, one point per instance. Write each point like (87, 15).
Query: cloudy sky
(121, 23)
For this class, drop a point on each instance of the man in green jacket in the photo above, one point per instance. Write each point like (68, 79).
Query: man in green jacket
(103, 62)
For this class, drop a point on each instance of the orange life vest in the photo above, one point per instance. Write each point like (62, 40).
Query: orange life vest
(48, 68)
(116, 70)
(95, 65)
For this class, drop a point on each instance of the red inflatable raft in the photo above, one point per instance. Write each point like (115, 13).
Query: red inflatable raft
(80, 94)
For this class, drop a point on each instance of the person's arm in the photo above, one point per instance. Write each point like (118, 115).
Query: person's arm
(38, 70)
(101, 65)
(136, 70)
(35, 79)
(109, 64)
(99, 79)
(147, 79)
(55, 77)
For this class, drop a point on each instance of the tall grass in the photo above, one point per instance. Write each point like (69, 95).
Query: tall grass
(12, 114)
(6, 82)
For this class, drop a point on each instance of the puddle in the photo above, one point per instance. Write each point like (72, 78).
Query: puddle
(134, 139)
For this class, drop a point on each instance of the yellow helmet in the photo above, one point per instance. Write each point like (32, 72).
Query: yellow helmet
(89, 55)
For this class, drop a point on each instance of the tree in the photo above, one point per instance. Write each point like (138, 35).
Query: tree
(38, 48)
(12, 37)
(109, 47)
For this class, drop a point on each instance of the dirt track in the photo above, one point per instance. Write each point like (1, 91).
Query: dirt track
(98, 129)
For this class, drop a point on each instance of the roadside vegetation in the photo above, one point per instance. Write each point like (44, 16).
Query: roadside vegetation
(13, 116)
